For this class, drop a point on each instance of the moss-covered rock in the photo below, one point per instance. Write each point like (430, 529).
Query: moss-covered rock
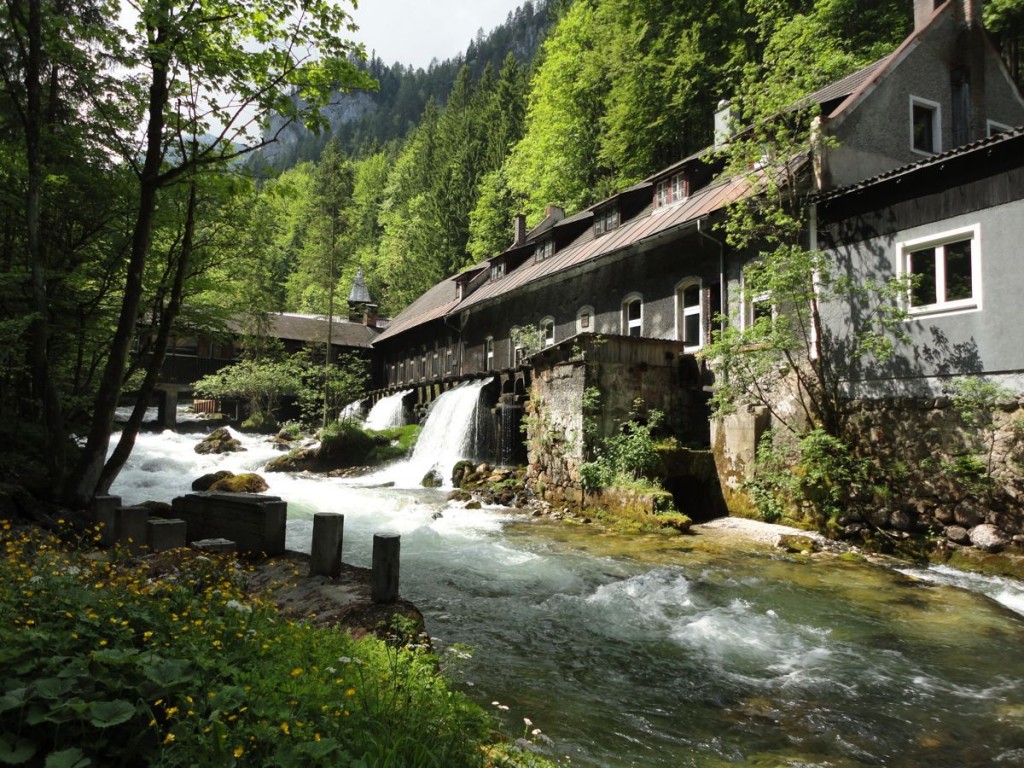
(432, 479)
(219, 441)
(247, 482)
(203, 483)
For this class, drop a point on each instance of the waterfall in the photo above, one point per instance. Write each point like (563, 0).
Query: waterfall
(451, 432)
(354, 411)
(387, 412)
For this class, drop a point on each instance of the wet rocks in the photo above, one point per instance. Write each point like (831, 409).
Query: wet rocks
(432, 479)
(989, 538)
(219, 441)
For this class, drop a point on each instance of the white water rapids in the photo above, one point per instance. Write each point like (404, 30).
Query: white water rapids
(651, 651)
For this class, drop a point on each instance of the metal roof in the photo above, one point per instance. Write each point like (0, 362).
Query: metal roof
(359, 293)
(840, 89)
(631, 233)
(289, 326)
(436, 302)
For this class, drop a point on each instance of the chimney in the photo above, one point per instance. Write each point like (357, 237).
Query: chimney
(923, 11)
(370, 315)
(724, 128)
(520, 229)
(555, 212)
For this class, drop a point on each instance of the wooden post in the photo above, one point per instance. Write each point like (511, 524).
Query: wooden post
(384, 579)
(325, 551)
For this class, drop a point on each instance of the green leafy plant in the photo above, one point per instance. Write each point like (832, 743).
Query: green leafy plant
(169, 662)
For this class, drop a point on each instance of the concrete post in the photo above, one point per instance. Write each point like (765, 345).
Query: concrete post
(325, 551)
(130, 527)
(163, 534)
(384, 578)
(103, 508)
(167, 408)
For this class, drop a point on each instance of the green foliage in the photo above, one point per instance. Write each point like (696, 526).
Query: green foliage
(810, 478)
(625, 458)
(261, 382)
(976, 401)
(171, 663)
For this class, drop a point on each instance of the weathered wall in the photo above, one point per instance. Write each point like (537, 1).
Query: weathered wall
(925, 447)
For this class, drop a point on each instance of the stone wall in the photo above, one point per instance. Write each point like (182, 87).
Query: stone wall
(621, 370)
(963, 481)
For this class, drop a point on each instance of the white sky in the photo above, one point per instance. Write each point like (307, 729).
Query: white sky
(416, 31)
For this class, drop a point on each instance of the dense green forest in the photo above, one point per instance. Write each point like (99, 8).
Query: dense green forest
(137, 189)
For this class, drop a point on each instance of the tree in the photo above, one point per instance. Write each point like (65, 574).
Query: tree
(199, 79)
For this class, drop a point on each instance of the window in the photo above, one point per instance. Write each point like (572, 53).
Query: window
(489, 354)
(993, 128)
(757, 303)
(925, 126)
(545, 248)
(946, 271)
(606, 219)
(585, 320)
(498, 269)
(689, 314)
(547, 332)
(632, 315)
(671, 190)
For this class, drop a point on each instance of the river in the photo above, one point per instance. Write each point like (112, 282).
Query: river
(685, 651)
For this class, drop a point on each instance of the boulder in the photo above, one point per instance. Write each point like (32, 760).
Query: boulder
(968, 514)
(901, 520)
(989, 538)
(247, 482)
(219, 441)
(958, 534)
(432, 479)
(203, 483)
(461, 471)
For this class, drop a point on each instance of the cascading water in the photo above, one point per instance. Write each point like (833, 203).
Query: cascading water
(451, 432)
(388, 412)
(353, 411)
(684, 652)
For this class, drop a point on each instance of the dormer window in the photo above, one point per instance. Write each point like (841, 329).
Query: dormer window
(606, 219)
(498, 269)
(545, 248)
(674, 189)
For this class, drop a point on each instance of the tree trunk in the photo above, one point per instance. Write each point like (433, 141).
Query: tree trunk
(126, 442)
(83, 481)
(39, 329)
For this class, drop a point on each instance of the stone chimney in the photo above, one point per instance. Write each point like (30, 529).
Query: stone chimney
(370, 315)
(519, 230)
(555, 212)
(724, 119)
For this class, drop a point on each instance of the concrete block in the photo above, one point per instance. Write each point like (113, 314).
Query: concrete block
(163, 534)
(325, 550)
(255, 522)
(385, 567)
(214, 545)
(130, 528)
(103, 508)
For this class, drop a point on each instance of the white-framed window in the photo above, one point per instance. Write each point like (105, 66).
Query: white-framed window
(992, 127)
(674, 189)
(545, 248)
(633, 315)
(946, 271)
(690, 314)
(606, 219)
(547, 332)
(585, 319)
(489, 353)
(755, 303)
(925, 126)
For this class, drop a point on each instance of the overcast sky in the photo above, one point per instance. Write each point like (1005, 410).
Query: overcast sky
(416, 31)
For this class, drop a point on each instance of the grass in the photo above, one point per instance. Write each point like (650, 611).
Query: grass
(168, 662)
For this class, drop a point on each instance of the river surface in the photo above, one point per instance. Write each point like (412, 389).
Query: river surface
(686, 651)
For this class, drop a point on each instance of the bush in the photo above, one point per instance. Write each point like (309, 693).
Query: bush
(169, 663)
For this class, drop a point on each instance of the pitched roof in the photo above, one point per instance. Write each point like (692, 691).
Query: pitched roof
(841, 89)
(359, 293)
(289, 326)
(436, 302)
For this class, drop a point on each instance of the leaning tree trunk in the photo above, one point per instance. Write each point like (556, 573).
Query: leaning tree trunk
(126, 441)
(84, 479)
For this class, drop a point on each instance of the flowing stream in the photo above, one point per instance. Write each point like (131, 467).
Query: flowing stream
(687, 651)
